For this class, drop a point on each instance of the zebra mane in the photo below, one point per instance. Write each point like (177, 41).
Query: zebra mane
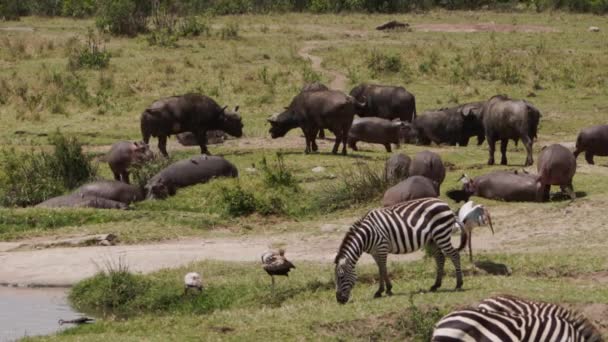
(574, 317)
(345, 240)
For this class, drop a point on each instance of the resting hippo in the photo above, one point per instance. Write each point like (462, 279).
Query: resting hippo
(397, 167)
(428, 164)
(377, 131)
(213, 137)
(194, 113)
(593, 141)
(314, 110)
(412, 188)
(556, 166)
(198, 169)
(80, 201)
(510, 186)
(111, 190)
(125, 153)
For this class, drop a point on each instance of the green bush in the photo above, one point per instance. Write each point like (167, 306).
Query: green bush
(193, 27)
(379, 63)
(162, 38)
(123, 17)
(91, 55)
(237, 201)
(12, 9)
(29, 178)
(142, 173)
(277, 174)
(78, 8)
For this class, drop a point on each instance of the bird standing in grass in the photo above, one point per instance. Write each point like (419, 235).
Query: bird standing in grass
(275, 264)
(193, 280)
(473, 215)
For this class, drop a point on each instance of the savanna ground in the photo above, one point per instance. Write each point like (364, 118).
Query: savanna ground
(556, 250)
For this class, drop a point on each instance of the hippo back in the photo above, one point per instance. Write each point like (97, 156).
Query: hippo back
(428, 164)
(397, 167)
(412, 188)
(81, 201)
(111, 190)
(556, 165)
(507, 186)
(194, 170)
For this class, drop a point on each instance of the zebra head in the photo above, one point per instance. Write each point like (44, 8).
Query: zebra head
(345, 279)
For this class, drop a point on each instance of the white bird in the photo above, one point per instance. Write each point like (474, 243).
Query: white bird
(193, 280)
(471, 215)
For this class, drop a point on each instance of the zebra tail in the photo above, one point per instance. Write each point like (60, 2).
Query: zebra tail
(463, 237)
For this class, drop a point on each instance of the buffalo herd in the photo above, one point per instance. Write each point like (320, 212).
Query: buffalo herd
(386, 115)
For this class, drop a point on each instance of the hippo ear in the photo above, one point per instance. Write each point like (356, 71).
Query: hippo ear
(236, 109)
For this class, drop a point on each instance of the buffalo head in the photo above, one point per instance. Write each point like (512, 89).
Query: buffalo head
(231, 122)
(282, 123)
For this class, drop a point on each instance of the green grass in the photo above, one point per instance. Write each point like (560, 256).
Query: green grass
(304, 305)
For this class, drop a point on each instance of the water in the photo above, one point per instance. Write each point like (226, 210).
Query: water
(29, 312)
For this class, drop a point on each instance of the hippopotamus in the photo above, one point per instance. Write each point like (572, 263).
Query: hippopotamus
(509, 186)
(506, 119)
(556, 166)
(76, 200)
(413, 187)
(593, 141)
(111, 190)
(194, 113)
(384, 101)
(123, 154)
(450, 126)
(189, 139)
(397, 167)
(377, 131)
(186, 172)
(313, 110)
(428, 164)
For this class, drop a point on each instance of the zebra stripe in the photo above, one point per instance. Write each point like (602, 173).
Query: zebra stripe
(508, 318)
(400, 229)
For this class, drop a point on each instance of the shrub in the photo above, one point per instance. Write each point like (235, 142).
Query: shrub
(277, 174)
(12, 9)
(379, 63)
(237, 201)
(78, 8)
(163, 38)
(91, 55)
(422, 322)
(142, 173)
(123, 17)
(30, 178)
(193, 27)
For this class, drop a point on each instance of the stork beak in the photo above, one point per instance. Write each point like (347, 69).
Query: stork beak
(487, 213)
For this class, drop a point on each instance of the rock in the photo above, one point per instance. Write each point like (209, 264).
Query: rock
(318, 169)
(594, 29)
(251, 170)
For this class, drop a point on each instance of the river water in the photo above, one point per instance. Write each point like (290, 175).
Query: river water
(29, 312)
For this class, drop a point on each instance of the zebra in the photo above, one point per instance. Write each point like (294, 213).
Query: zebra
(509, 318)
(399, 229)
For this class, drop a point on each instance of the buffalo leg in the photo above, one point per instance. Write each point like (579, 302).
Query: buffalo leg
(307, 150)
(336, 144)
(201, 137)
(388, 147)
(503, 151)
(589, 157)
(352, 143)
(528, 144)
(569, 190)
(546, 192)
(344, 139)
(125, 177)
(162, 145)
(117, 176)
(314, 146)
(480, 139)
(491, 149)
(322, 134)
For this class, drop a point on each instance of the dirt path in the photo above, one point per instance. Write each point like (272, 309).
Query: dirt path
(338, 79)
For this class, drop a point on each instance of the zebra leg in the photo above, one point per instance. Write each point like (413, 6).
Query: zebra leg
(380, 259)
(455, 256)
(440, 261)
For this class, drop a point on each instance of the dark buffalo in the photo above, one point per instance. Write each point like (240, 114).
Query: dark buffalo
(123, 154)
(378, 131)
(450, 126)
(397, 167)
(191, 171)
(312, 111)
(80, 201)
(593, 141)
(510, 186)
(504, 119)
(316, 86)
(429, 165)
(412, 188)
(111, 190)
(556, 166)
(189, 139)
(386, 102)
(194, 113)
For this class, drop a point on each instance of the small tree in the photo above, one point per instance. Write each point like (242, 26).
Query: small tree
(123, 17)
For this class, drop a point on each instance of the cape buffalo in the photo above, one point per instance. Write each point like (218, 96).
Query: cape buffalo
(504, 119)
(316, 86)
(388, 102)
(450, 125)
(556, 166)
(378, 131)
(194, 113)
(593, 141)
(509, 186)
(312, 111)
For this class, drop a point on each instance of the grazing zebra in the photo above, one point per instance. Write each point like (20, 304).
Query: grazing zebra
(399, 229)
(508, 318)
